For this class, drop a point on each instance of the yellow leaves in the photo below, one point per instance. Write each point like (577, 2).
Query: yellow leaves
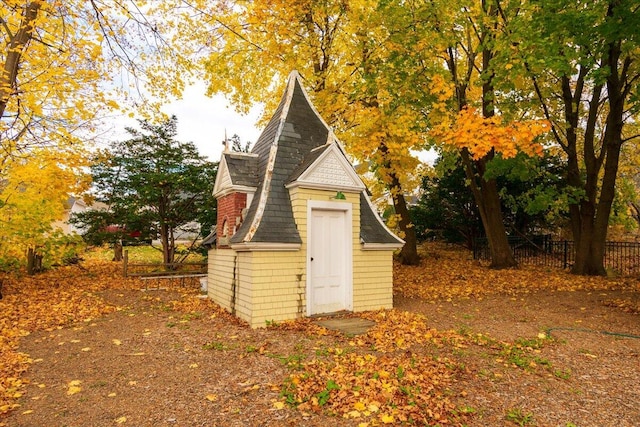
(365, 386)
(456, 274)
(121, 420)
(480, 135)
(211, 397)
(442, 88)
(359, 406)
(73, 387)
(116, 341)
(278, 405)
(387, 419)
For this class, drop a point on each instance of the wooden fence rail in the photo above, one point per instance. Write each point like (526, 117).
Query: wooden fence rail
(162, 270)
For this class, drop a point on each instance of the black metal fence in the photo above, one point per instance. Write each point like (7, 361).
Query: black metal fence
(621, 257)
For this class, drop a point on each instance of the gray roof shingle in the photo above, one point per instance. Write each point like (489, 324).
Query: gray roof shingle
(243, 168)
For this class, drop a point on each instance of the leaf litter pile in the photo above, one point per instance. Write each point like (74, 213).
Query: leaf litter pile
(80, 345)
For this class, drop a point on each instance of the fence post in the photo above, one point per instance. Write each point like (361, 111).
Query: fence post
(566, 244)
(125, 262)
(117, 251)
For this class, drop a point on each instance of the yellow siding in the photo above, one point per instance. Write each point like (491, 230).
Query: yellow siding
(372, 280)
(278, 282)
(221, 281)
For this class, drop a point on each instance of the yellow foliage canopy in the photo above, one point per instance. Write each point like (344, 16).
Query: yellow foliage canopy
(479, 135)
(34, 195)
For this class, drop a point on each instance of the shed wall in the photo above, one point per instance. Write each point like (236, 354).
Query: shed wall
(229, 281)
(372, 279)
(278, 287)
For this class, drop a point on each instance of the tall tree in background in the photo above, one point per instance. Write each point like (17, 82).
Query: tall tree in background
(582, 60)
(338, 47)
(153, 181)
(447, 50)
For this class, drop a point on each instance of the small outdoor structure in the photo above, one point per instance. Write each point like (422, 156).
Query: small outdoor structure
(296, 233)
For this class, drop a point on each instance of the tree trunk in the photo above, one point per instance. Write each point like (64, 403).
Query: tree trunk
(168, 244)
(31, 256)
(595, 211)
(485, 193)
(15, 49)
(117, 252)
(501, 253)
(635, 212)
(409, 252)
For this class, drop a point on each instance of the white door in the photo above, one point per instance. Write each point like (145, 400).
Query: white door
(329, 260)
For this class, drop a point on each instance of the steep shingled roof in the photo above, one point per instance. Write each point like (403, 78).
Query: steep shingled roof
(242, 168)
(288, 145)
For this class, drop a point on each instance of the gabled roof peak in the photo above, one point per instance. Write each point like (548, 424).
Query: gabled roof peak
(295, 77)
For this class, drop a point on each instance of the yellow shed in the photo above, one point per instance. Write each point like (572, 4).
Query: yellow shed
(297, 234)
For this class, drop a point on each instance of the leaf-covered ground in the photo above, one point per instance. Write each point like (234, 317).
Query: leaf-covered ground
(464, 346)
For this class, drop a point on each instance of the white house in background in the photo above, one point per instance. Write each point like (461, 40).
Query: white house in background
(75, 205)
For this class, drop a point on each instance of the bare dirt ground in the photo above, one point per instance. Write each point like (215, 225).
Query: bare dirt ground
(162, 360)
(594, 375)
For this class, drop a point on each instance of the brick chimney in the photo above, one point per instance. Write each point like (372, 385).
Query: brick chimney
(230, 216)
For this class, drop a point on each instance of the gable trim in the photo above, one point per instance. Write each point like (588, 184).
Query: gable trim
(399, 240)
(223, 178)
(338, 175)
(234, 189)
(263, 247)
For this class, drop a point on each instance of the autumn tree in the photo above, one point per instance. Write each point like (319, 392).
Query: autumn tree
(336, 46)
(446, 51)
(582, 62)
(153, 182)
(65, 66)
(34, 193)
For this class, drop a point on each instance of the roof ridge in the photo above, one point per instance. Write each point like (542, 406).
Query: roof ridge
(273, 150)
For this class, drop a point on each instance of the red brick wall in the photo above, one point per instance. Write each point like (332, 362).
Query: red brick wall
(230, 210)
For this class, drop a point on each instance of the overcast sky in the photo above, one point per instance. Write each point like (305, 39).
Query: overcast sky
(203, 120)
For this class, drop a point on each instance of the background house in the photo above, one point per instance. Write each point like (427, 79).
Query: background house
(297, 234)
(75, 205)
